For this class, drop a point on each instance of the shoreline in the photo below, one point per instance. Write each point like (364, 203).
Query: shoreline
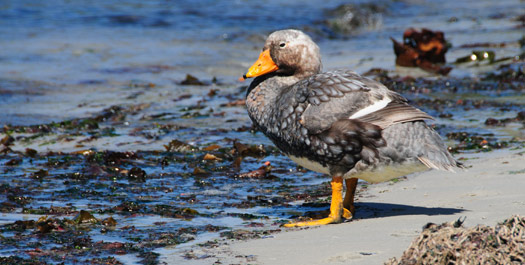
(389, 217)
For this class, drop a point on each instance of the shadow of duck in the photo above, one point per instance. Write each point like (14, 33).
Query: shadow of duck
(370, 210)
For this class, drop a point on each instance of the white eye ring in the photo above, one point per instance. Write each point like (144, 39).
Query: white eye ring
(282, 44)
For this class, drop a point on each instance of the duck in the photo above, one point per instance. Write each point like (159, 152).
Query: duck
(338, 122)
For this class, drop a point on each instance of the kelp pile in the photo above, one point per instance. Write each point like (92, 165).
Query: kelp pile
(451, 243)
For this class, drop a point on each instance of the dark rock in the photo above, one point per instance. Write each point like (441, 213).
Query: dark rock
(85, 217)
(31, 152)
(137, 174)
(40, 174)
(13, 162)
(178, 146)
(192, 80)
(109, 222)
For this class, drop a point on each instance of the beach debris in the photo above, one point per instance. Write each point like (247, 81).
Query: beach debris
(109, 222)
(470, 141)
(39, 175)
(183, 97)
(191, 80)
(451, 243)
(112, 158)
(199, 171)
(20, 200)
(261, 172)
(7, 140)
(485, 45)
(21, 225)
(211, 147)
(85, 217)
(179, 146)
(211, 157)
(478, 56)
(249, 150)
(424, 49)
(213, 92)
(244, 234)
(31, 152)
(128, 206)
(46, 224)
(5, 143)
(88, 152)
(13, 162)
(520, 117)
(486, 57)
(174, 212)
(235, 103)
(137, 174)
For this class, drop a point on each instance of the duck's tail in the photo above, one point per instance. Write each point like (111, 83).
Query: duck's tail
(417, 139)
(450, 165)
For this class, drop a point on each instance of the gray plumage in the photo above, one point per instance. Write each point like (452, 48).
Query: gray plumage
(338, 122)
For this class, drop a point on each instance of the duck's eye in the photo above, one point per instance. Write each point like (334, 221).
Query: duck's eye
(282, 45)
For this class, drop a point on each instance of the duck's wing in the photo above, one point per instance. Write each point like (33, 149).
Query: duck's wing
(342, 95)
(394, 112)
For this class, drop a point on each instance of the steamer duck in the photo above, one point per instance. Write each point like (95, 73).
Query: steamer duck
(338, 122)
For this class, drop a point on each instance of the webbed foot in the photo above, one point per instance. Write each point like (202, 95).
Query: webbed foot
(337, 212)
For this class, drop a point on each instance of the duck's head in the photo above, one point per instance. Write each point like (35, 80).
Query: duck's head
(287, 52)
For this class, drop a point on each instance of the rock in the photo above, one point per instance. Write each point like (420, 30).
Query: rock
(85, 217)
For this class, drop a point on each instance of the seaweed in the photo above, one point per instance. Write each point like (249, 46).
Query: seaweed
(451, 243)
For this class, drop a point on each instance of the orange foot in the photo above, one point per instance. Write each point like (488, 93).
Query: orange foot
(337, 212)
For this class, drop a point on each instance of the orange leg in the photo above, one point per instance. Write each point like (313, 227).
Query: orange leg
(348, 202)
(336, 207)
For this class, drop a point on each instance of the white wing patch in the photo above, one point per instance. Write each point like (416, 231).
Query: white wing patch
(372, 108)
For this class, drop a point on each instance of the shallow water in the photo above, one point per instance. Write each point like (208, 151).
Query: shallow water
(68, 63)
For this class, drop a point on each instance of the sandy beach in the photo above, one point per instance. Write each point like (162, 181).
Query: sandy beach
(390, 215)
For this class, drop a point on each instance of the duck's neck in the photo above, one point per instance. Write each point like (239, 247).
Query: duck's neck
(274, 83)
(270, 84)
(262, 96)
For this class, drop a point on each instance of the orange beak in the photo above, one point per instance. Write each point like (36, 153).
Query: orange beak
(262, 66)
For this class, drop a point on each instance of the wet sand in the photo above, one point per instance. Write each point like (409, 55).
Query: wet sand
(390, 216)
